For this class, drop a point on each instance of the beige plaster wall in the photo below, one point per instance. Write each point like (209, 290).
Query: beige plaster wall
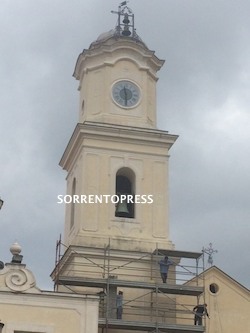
(99, 68)
(229, 307)
(49, 313)
(94, 166)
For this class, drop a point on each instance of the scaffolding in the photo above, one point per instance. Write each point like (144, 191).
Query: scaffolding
(148, 305)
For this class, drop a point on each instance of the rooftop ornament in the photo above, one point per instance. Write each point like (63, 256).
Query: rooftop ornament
(125, 25)
(16, 249)
(209, 251)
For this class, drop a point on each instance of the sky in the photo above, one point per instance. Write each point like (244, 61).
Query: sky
(203, 96)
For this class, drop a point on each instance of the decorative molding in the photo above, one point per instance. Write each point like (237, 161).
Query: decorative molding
(19, 280)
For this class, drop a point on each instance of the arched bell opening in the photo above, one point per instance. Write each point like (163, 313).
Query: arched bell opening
(125, 190)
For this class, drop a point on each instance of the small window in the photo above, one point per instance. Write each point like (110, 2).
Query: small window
(214, 288)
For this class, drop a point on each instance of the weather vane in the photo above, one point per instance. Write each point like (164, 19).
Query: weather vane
(209, 251)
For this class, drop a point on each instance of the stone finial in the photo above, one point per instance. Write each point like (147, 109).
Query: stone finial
(15, 248)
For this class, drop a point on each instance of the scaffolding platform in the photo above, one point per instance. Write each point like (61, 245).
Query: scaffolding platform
(149, 305)
(148, 326)
(177, 254)
(155, 287)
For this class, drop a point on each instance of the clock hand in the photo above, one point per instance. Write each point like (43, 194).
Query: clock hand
(126, 96)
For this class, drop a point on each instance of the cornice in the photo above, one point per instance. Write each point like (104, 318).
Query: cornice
(115, 133)
(124, 47)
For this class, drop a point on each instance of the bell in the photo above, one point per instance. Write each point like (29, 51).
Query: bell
(122, 209)
(126, 20)
(126, 31)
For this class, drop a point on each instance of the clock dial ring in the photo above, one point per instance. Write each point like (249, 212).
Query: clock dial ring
(126, 93)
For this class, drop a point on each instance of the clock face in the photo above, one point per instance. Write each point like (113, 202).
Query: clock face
(126, 93)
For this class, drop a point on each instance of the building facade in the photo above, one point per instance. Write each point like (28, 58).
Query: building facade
(24, 308)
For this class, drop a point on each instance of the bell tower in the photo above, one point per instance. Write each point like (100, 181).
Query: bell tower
(117, 159)
(116, 220)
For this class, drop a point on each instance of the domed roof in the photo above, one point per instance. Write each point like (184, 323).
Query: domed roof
(106, 35)
(116, 34)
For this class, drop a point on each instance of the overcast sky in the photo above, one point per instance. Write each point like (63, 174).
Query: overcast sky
(203, 96)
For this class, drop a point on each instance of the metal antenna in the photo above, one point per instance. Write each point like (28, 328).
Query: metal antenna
(209, 251)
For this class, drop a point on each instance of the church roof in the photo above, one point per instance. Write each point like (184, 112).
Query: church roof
(221, 272)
